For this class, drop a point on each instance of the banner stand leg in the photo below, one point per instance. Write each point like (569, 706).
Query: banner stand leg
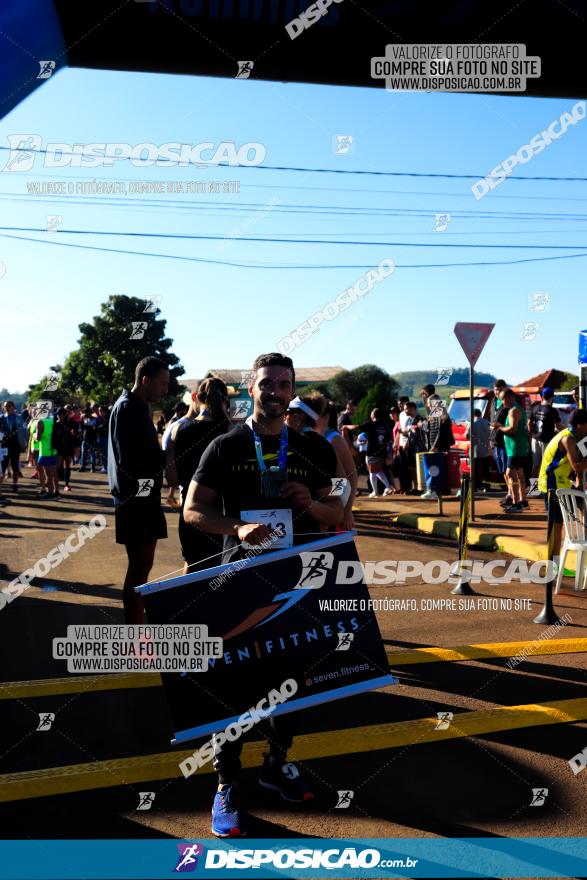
(548, 615)
(463, 587)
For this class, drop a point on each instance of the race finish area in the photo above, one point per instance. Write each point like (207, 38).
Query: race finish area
(293, 440)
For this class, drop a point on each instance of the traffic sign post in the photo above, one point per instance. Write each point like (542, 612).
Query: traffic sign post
(472, 338)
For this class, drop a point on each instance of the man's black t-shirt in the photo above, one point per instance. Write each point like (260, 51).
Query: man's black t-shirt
(89, 429)
(230, 467)
(544, 418)
(378, 438)
(133, 450)
(191, 441)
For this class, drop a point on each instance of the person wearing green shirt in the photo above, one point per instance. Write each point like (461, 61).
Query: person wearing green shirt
(517, 446)
(47, 460)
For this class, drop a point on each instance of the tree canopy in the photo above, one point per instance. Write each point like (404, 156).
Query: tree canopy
(109, 349)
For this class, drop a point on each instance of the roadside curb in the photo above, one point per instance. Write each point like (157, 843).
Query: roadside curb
(518, 547)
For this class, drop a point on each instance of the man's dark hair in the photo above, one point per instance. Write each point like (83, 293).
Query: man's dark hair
(477, 412)
(579, 417)
(377, 412)
(403, 399)
(429, 389)
(274, 359)
(150, 367)
(500, 383)
(351, 403)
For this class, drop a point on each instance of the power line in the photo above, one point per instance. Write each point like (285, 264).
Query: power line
(194, 237)
(279, 266)
(410, 192)
(327, 210)
(174, 163)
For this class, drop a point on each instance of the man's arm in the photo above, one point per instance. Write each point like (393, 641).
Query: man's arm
(126, 441)
(203, 510)
(170, 466)
(514, 416)
(345, 467)
(570, 446)
(327, 509)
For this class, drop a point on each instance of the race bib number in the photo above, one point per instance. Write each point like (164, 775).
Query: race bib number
(279, 521)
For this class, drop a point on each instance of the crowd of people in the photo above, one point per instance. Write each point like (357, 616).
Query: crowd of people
(52, 443)
(387, 444)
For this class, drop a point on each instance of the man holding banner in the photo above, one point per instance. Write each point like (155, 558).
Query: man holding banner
(261, 484)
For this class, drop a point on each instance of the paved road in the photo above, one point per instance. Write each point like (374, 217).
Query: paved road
(460, 787)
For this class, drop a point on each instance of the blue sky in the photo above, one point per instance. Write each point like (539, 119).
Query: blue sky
(223, 316)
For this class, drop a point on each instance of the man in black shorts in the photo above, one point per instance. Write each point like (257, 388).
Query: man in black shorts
(261, 466)
(135, 476)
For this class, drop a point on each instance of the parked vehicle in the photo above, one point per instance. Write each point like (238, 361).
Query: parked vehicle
(563, 401)
(459, 412)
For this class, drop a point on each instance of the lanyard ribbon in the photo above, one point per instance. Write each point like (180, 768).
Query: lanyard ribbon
(268, 473)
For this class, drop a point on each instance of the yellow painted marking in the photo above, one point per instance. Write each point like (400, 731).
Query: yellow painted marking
(488, 651)
(48, 687)
(149, 768)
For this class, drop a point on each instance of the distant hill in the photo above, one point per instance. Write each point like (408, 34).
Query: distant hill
(16, 396)
(411, 382)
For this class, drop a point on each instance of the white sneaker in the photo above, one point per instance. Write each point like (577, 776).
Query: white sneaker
(429, 496)
(373, 495)
(388, 492)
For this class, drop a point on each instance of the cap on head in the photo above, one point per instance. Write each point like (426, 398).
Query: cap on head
(547, 393)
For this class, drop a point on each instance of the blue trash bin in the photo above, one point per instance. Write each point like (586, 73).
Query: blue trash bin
(434, 465)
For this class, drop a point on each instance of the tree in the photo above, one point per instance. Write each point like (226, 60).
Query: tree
(17, 398)
(380, 396)
(570, 382)
(104, 363)
(322, 387)
(355, 384)
(410, 382)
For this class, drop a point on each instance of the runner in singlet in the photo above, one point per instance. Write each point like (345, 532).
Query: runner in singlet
(561, 459)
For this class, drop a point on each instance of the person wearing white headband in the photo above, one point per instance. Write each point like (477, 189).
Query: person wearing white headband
(311, 419)
(298, 403)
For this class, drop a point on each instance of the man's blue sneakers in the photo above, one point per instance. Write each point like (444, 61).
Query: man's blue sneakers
(227, 818)
(286, 779)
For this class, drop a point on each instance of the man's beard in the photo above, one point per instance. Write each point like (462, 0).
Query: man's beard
(272, 407)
